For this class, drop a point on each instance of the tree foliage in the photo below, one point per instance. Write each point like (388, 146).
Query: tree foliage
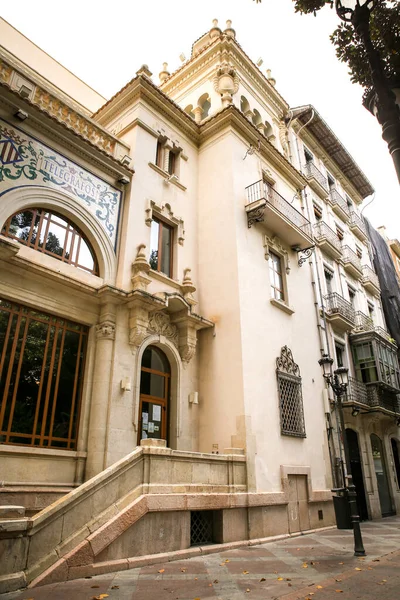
(385, 35)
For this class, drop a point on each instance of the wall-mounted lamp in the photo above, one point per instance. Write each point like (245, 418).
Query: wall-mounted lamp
(126, 384)
(194, 398)
(21, 115)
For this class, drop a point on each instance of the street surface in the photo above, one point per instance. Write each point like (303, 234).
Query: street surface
(317, 566)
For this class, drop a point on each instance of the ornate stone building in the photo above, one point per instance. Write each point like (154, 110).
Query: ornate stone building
(174, 262)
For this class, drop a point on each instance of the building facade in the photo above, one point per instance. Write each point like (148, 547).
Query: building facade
(174, 262)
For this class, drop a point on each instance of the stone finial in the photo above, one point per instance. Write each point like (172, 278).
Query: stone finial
(144, 70)
(229, 31)
(270, 78)
(164, 74)
(215, 30)
(140, 269)
(188, 288)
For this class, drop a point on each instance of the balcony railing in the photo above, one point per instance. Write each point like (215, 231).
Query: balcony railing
(356, 223)
(312, 172)
(323, 232)
(336, 304)
(352, 261)
(339, 204)
(370, 278)
(357, 392)
(261, 190)
(363, 322)
(385, 334)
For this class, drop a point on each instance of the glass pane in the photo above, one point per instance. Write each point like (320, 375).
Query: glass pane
(21, 224)
(153, 358)
(151, 420)
(55, 239)
(166, 241)
(155, 229)
(152, 384)
(85, 258)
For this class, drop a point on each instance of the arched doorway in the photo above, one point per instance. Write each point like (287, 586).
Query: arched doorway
(381, 476)
(396, 458)
(357, 473)
(155, 379)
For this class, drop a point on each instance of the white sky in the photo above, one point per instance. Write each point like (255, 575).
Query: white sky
(104, 43)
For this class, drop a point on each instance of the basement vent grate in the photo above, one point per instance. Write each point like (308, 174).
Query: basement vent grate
(201, 527)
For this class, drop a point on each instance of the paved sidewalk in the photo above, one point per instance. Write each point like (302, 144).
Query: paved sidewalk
(317, 566)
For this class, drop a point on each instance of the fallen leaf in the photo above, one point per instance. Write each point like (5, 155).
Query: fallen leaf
(100, 597)
(341, 563)
(305, 566)
(115, 587)
(289, 584)
(384, 580)
(280, 578)
(369, 568)
(262, 579)
(357, 569)
(196, 578)
(375, 560)
(227, 560)
(248, 590)
(275, 572)
(245, 572)
(215, 581)
(94, 586)
(338, 580)
(183, 570)
(319, 587)
(339, 591)
(161, 570)
(210, 585)
(288, 579)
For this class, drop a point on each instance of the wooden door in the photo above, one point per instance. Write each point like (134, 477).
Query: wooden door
(299, 518)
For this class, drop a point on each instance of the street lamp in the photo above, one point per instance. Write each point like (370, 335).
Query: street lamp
(382, 102)
(339, 381)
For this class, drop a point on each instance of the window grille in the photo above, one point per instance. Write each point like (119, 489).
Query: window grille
(290, 395)
(201, 527)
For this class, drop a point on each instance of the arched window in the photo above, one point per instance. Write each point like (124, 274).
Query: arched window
(244, 105)
(205, 103)
(257, 119)
(52, 234)
(189, 110)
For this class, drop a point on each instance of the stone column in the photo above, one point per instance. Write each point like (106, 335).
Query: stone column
(167, 150)
(98, 423)
(198, 113)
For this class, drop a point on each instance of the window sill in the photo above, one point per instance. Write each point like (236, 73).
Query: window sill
(282, 306)
(166, 176)
(159, 276)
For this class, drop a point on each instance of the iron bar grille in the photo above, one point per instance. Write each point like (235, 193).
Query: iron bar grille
(364, 323)
(201, 527)
(290, 395)
(323, 231)
(349, 256)
(336, 199)
(312, 172)
(356, 221)
(261, 190)
(370, 275)
(336, 304)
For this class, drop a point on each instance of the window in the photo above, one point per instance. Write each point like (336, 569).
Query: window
(275, 273)
(371, 311)
(308, 155)
(328, 281)
(364, 361)
(40, 377)
(160, 154)
(52, 234)
(339, 232)
(317, 211)
(161, 244)
(167, 156)
(349, 203)
(290, 395)
(339, 351)
(171, 163)
(331, 181)
(352, 296)
(359, 252)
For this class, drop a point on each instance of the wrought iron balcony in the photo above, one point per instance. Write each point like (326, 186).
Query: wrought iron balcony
(372, 396)
(340, 312)
(265, 205)
(370, 281)
(385, 335)
(358, 227)
(363, 323)
(317, 181)
(351, 262)
(356, 392)
(339, 205)
(327, 240)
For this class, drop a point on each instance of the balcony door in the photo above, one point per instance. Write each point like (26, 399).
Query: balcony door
(154, 395)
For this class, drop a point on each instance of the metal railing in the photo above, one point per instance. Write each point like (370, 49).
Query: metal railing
(261, 190)
(370, 275)
(385, 334)
(356, 221)
(336, 304)
(312, 172)
(357, 392)
(363, 322)
(336, 199)
(322, 230)
(349, 256)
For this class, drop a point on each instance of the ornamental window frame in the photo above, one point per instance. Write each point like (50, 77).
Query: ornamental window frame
(289, 383)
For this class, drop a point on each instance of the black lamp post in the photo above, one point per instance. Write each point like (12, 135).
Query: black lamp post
(339, 381)
(382, 101)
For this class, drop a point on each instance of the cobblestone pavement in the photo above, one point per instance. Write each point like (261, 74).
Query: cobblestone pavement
(315, 566)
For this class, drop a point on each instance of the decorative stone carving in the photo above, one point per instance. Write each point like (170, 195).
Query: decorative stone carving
(229, 31)
(188, 288)
(164, 74)
(226, 83)
(187, 352)
(275, 244)
(137, 335)
(105, 330)
(160, 323)
(165, 211)
(140, 269)
(283, 137)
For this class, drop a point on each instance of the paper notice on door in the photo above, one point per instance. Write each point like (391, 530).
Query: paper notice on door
(151, 427)
(156, 412)
(145, 418)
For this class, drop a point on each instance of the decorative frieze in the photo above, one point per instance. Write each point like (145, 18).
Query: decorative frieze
(105, 330)
(160, 322)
